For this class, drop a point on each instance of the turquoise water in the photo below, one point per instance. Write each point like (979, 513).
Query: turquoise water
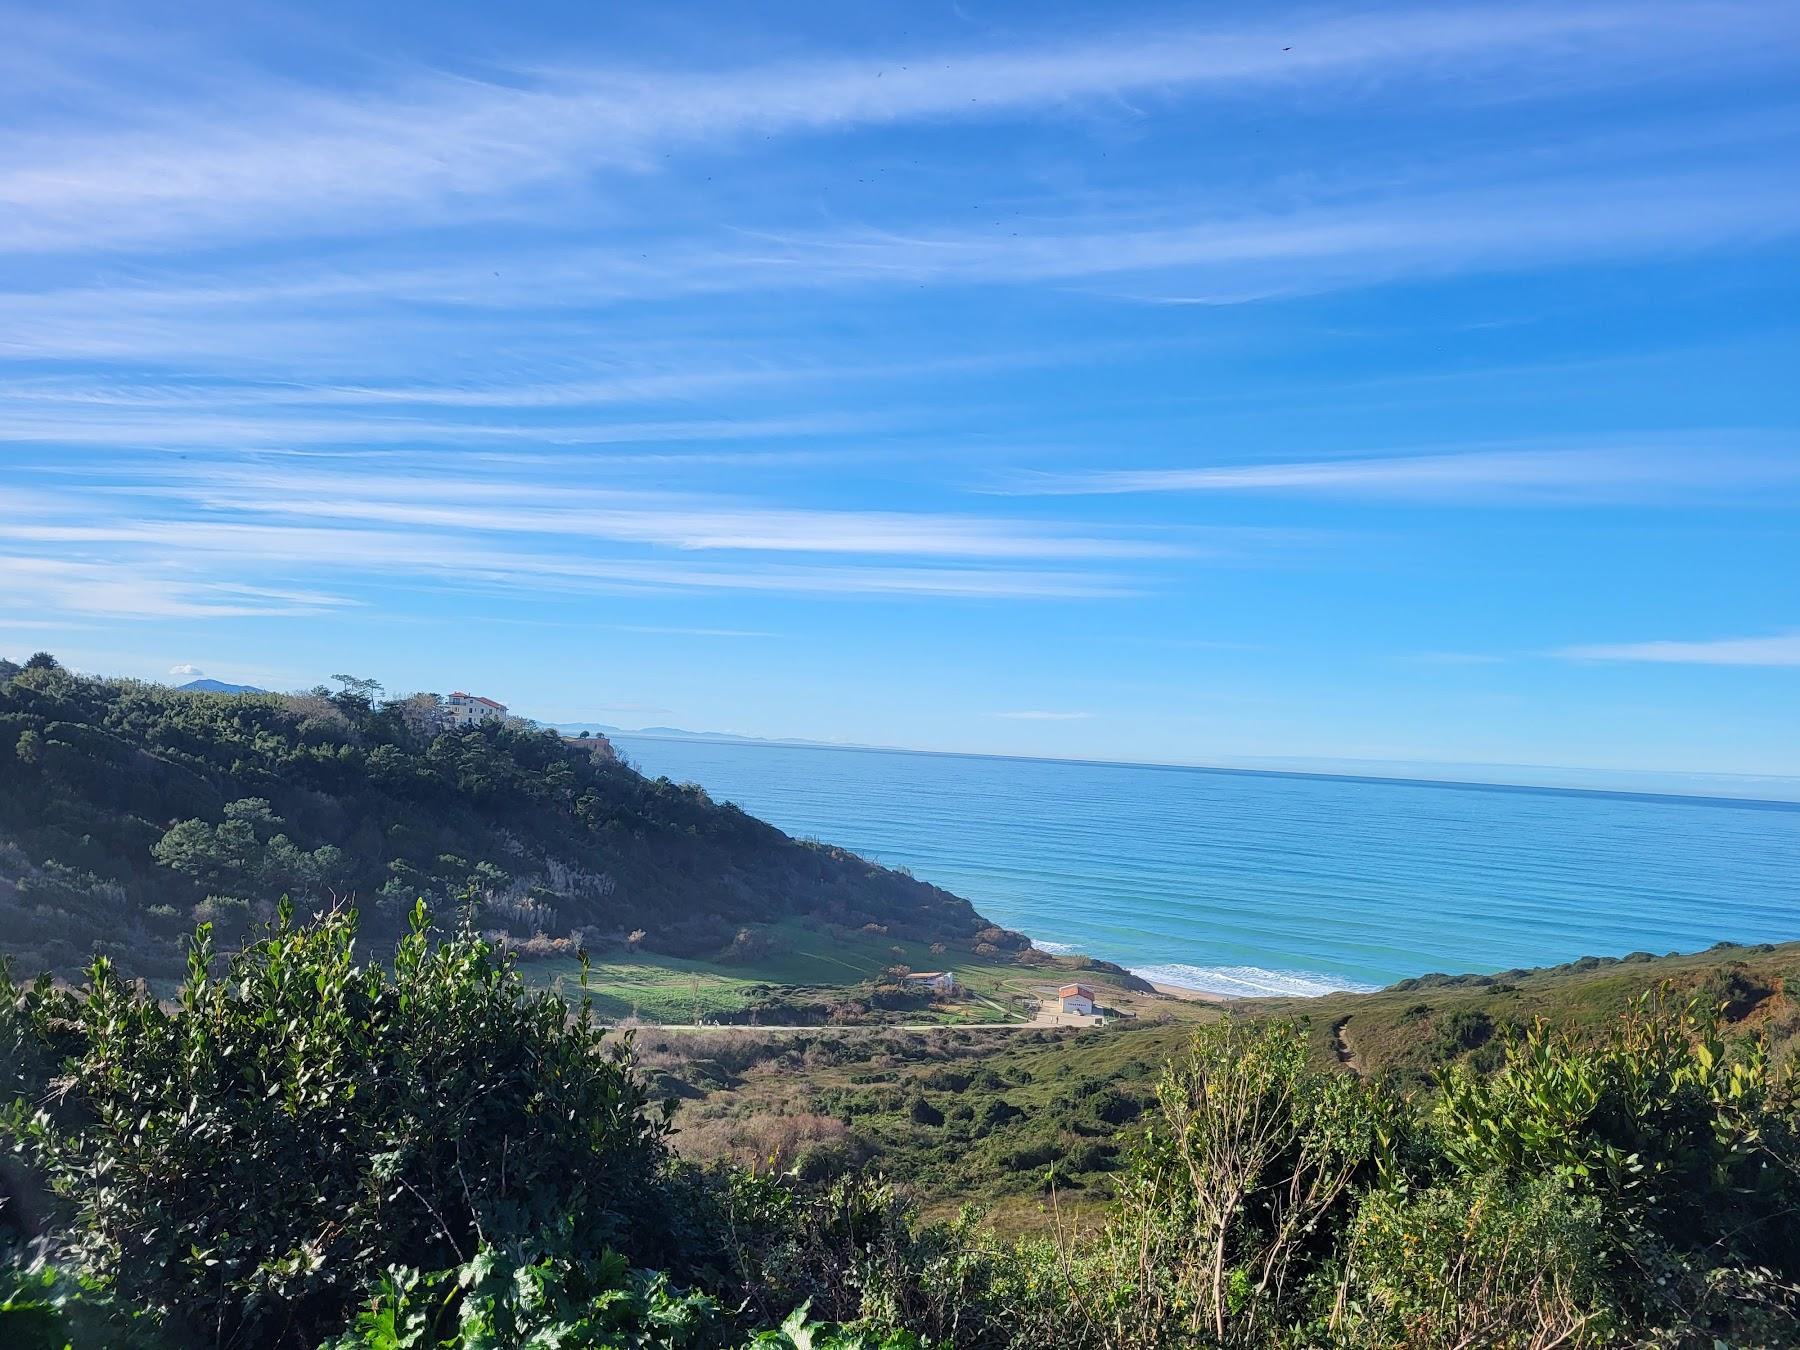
(1251, 883)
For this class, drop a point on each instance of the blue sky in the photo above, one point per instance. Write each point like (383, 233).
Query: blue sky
(1196, 383)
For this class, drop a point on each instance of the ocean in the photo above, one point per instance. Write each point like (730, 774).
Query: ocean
(1245, 883)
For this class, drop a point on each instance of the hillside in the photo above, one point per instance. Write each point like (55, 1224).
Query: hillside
(968, 1116)
(128, 810)
(330, 1138)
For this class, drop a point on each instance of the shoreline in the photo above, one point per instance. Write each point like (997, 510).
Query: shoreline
(1187, 995)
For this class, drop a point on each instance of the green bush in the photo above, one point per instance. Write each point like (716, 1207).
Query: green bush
(1692, 1157)
(1232, 1210)
(1463, 1030)
(249, 1162)
(797, 1333)
(42, 1308)
(1486, 1261)
(530, 1299)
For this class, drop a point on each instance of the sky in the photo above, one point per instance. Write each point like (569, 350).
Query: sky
(1219, 384)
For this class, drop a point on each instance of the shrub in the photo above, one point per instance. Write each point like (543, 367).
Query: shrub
(526, 1298)
(995, 1113)
(1733, 991)
(1109, 1106)
(1492, 1262)
(252, 1160)
(1693, 1158)
(43, 1308)
(797, 1333)
(1243, 1183)
(1463, 1030)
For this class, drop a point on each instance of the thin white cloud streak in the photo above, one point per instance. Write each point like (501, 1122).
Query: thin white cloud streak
(219, 431)
(156, 393)
(286, 158)
(1780, 650)
(1204, 256)
(106, 590)
(751, 530)
(666, 519)
(175, 563)
(1245, 258)
(1500, 475)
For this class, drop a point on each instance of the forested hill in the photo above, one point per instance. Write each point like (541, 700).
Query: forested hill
(128, 810)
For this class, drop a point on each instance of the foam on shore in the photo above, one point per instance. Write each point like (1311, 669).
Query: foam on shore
(1250, 981)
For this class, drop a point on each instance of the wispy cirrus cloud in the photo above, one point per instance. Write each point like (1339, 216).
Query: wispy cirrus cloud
(1727, 461)
(273, 155)
(1233, 258)
(235, 432)
(235, 542)
(1781, 649)
(479, 504)
(104, 589)
(1202, 252)
(185, 571)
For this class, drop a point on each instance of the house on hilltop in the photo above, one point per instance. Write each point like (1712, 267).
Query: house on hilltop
(938, 981)
(1077, 998)
(471, 710)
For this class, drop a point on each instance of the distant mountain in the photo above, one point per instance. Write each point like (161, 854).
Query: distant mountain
(218, 687)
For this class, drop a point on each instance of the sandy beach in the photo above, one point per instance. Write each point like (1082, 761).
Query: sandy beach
(1191, 995)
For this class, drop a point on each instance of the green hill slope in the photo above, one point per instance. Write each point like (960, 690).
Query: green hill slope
(127, 810)
(1000, 1110)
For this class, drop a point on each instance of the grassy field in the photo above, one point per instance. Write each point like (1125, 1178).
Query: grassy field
(648, 987)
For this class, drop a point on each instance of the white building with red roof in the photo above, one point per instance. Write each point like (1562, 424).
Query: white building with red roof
(1077, 998)
(471, 710)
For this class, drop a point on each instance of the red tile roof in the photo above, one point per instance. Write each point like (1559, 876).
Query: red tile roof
(1075, 991)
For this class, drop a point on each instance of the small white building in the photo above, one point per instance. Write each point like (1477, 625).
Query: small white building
(1077, 998)
(938, 981)
(471, 710)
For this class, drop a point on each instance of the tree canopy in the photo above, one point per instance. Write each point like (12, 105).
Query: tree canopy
(129, 809)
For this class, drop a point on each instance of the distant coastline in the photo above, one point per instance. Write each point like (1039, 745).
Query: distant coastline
(1265, 883)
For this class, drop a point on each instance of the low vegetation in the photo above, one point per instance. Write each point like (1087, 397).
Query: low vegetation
(303, 1148)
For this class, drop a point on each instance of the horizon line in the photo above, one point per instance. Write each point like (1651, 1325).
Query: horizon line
(1396, 780)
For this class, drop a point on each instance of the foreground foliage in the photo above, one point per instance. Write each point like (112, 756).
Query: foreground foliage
(249, 1161)
(306, 1151)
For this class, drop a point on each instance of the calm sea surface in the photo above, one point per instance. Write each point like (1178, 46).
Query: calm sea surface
(1251, 883)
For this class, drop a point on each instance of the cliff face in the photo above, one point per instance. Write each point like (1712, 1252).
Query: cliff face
(130, 809)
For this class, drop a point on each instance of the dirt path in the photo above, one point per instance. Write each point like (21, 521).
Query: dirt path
(1339, 1044)
(1049, 1016)
(846, 1029)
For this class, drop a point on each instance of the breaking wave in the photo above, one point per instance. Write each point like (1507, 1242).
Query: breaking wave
(1249, 981)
